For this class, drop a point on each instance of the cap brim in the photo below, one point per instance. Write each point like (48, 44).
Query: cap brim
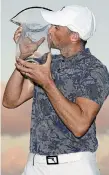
(53, 17)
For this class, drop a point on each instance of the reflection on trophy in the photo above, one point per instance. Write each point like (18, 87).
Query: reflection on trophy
(32, 42)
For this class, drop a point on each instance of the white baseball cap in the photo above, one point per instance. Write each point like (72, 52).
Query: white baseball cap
(77, 18)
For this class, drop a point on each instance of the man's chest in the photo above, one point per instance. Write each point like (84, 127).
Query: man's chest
(66, 77)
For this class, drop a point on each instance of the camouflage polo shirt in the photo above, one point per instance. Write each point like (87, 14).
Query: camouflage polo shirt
(81, 75)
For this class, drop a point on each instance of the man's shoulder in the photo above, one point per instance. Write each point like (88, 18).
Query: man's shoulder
(91, 67)
(92, 62)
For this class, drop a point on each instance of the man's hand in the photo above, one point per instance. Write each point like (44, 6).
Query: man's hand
(40, 74)
(26, 45)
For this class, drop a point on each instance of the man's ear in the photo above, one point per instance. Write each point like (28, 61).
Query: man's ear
(74, 37)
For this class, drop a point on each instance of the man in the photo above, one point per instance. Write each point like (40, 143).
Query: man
(68, 91)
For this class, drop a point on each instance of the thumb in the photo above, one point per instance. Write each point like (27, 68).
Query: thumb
(27, 40)
(49, 58)
(40, 41)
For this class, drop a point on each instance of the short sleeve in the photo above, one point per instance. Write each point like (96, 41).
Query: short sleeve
(94, 85)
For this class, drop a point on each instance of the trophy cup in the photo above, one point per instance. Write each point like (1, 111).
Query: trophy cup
(34, 27)
(31, 34)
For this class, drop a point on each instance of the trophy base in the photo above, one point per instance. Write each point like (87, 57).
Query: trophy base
(31, 60)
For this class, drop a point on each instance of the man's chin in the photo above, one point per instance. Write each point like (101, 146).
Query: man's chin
(52, 46)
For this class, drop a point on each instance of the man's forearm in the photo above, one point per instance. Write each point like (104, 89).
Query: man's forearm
(70, 113)
(13, 88)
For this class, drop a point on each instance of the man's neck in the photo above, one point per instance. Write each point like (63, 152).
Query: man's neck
(71, 51)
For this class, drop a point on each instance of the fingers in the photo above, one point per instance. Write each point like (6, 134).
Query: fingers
(27, 64)
(38, 43)
(17, 34)
(23, 69)
(26, 74)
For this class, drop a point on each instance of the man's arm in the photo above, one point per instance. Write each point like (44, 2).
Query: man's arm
(76, 116)
(18, 90)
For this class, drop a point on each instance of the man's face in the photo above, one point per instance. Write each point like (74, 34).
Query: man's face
(58, 37)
